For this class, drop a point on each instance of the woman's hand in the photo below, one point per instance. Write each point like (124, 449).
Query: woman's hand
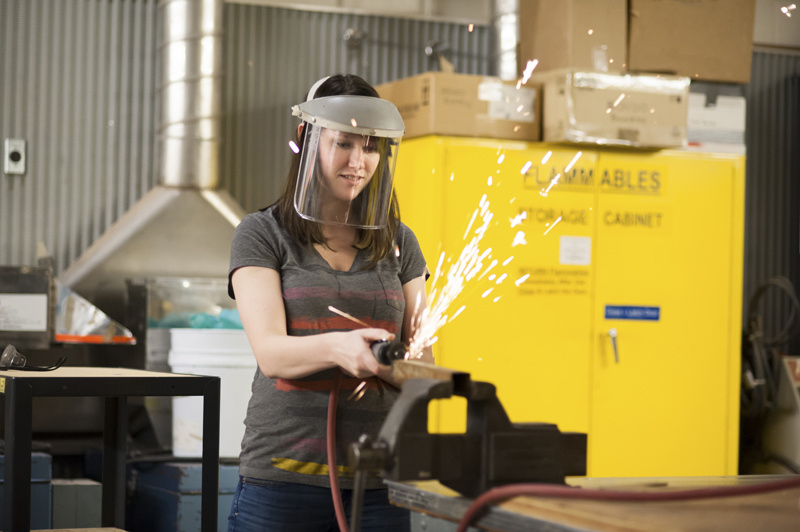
(352, 351)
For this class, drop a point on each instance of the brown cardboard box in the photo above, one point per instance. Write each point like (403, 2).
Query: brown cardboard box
(582, 34)
(708, 40)
(439, 103)
(614, 109)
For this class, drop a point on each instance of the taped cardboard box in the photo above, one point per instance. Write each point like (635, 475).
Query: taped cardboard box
(581, 34)
(440, 103)
(614, 109)
(709, 40)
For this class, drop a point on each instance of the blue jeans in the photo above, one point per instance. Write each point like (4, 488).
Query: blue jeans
(264, 505)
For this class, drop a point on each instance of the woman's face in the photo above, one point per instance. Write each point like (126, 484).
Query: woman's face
(347, 162)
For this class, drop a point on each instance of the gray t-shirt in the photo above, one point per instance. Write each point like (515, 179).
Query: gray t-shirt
(285, 426)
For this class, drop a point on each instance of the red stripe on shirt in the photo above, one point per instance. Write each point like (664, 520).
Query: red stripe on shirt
(338, 323)
(347, 384)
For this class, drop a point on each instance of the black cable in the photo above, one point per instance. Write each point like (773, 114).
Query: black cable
(761, 369)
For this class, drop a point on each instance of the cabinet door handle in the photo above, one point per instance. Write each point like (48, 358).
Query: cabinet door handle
(612, 333)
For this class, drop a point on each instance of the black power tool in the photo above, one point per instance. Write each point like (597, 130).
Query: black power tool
(386, 352)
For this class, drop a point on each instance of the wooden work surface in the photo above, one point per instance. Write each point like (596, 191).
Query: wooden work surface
(773, 511)
(79, 371)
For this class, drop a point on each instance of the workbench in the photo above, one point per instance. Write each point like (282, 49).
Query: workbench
(18, 388)
(437, 508)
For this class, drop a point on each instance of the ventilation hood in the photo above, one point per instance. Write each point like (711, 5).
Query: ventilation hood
(184, 225)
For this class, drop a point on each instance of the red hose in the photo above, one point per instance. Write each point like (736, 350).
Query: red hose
(549, 490)
(331, 444)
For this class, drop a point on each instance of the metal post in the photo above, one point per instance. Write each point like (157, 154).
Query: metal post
(17, 488)
(210, 481)
(114, 462)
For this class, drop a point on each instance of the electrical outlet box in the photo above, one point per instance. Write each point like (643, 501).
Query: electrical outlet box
(14, 157)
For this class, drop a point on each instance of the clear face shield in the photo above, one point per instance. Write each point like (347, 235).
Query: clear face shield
(348, 159)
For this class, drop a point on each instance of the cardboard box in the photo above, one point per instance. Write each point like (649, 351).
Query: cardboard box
(708, 40)
(717, 113)
(439, 103)
(614, 109)
(581, 34)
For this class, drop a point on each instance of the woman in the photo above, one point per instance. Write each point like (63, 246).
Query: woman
(318, 277)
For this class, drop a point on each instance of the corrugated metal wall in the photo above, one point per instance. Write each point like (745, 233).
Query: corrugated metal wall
(77, 85)
(772, 197)
(78, 82)
(274, 55)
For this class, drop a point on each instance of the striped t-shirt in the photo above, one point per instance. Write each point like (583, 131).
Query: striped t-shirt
(285, 426)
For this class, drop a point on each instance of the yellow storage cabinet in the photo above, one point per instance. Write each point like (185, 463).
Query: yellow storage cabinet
(646, 243)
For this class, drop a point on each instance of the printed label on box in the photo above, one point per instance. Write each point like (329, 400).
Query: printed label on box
(506, 102)
(23, 312)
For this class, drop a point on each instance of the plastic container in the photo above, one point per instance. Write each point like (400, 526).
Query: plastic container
(223, 353)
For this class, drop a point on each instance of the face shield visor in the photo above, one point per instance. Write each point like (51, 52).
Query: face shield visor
(347, 161)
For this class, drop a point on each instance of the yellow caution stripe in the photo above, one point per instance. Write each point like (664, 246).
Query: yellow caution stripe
(309, 468)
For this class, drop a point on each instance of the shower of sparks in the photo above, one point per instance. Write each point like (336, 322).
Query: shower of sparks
(526, 167)
(496, 299)
(397, 251)
(591, 32)
(452, 176)
(519, 239)
(573, 161)
(517, 220)
(459, 311)
(547, 156)
(509, 259)
(522, 279)
(293, 146)
(359, 392)
(471, 27)
(353, 122)
(552, 225)
(489, 291)
(529, 66)
(618, 100)
(553, 182)
(502, 278)
(489, 181)
(346, 315)
(501, 158)
(492, 277)
(469, 264)
(787, 10)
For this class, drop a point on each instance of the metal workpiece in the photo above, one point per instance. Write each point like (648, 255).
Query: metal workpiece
(492, 452)
(405, 370)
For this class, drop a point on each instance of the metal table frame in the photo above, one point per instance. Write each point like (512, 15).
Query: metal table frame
(18, 388)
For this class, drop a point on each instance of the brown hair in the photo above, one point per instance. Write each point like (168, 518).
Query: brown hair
(378, 241)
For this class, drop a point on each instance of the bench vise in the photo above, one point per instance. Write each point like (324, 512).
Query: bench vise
(492, 452)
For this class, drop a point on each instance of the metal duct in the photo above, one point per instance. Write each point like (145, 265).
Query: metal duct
(505, 28)
(183, 226)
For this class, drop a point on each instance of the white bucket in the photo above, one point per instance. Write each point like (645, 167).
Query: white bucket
(223, 353)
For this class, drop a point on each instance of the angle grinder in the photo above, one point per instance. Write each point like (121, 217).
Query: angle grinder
(386, 352)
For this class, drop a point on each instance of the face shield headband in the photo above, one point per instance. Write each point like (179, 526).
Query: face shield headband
(347, 161)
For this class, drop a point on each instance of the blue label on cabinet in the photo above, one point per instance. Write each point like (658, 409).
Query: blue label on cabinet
(620, 312)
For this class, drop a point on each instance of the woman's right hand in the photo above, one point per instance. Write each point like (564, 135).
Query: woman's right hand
(352, 351)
